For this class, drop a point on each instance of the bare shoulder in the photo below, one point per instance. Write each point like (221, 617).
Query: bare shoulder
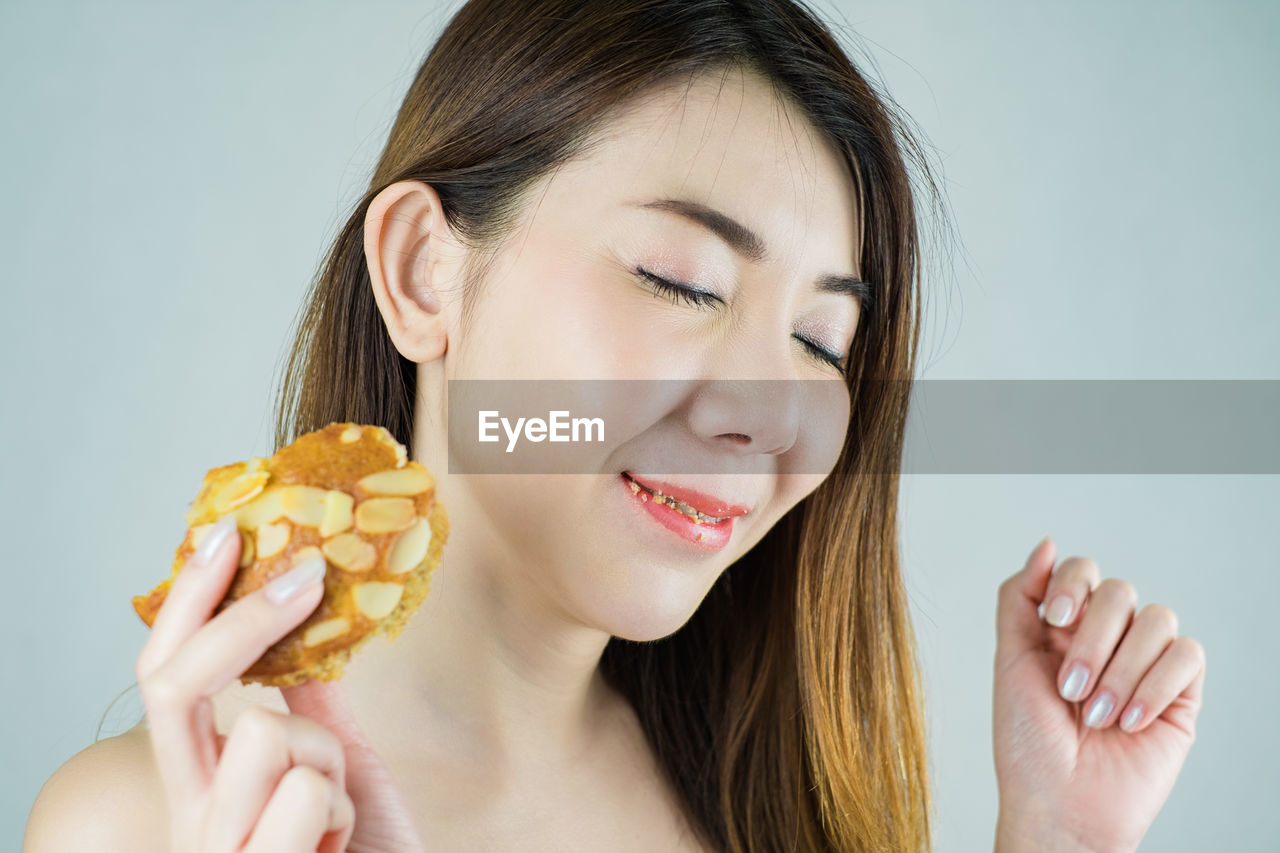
(105, 798)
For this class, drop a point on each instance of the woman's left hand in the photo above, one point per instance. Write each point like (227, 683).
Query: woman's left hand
(1073, 662)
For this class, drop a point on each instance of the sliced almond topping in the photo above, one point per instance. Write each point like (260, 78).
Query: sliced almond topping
(398, 481)
(267, 506)
(272, 537)
(350, 434)
(348, 551)
(239, 490)
(401, 456)
(304, 504)
(409, 549)
(384, 515)
(246, 549)
(324, 631)
(201, 507)
(304, 554)
(198, 533)
(376, 599)
(337, 512)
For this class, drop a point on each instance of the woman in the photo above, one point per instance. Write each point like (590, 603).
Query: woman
(675, 191)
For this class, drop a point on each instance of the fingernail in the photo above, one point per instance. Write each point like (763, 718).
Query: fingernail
(1132, 718)
(1073, 687)
(1098, 710)
(213, 540)
(295, 581)
(1040, 610)
(1059, 611)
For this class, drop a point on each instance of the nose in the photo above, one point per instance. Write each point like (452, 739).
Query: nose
(748, 416)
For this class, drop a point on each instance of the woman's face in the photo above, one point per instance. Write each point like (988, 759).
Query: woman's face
(565, 301)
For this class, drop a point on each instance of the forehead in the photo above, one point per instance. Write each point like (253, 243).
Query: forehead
(727, 140)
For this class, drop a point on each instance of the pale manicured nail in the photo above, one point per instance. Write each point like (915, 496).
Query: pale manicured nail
(1059, 610)
(213, 540)
(1098, 710)
(295, 581)
(1040, 610)
(1073, 687)
(1131, 719)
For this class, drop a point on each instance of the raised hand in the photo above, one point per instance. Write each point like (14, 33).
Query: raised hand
(277, 783)
(1094, 707)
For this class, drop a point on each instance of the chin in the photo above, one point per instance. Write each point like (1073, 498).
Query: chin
(646, 617)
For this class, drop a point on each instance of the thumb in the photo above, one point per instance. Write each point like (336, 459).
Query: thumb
(384, 819)
(1018, 623)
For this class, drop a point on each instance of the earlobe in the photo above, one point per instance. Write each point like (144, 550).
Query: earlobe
(404, 232)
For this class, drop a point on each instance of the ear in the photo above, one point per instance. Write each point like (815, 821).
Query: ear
(409, 249)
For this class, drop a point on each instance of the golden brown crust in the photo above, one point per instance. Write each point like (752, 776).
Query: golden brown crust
(348, 492)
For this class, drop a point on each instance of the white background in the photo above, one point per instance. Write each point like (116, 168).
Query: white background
(173, 173)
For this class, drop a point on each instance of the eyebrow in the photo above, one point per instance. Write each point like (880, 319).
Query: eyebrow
(748, 243)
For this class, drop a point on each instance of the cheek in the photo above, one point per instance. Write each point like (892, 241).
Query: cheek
(825, 411)
(570, 539)
(554, 315)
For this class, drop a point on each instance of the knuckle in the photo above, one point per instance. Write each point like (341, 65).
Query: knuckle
(307, 784)
(1117, 590)
(1190, 649)
(259, 725)
(334, 745)
(1079, 566)
(160, 694)
(1159, 617)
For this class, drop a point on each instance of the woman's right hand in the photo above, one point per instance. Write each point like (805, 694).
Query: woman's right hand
(277, 783)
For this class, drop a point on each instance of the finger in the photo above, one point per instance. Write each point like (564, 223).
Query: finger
(261, 748)
(196, 590)
(324, 702)
(1107, 616)
(221, 650)
(1173, 686)
(1016, 623)
(1153, 629)
(304, 807)
(1073, 580)
(342, 821)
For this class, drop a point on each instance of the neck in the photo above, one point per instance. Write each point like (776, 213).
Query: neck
(489, 669)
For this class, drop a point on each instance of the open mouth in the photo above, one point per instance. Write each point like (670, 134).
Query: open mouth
(658, 497)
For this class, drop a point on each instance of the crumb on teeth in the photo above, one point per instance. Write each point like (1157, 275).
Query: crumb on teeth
(695, 515)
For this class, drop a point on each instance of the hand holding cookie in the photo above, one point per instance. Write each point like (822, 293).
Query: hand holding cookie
(291, 563)
(347, 495)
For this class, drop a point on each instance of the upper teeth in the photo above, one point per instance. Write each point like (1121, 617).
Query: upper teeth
(680, 506)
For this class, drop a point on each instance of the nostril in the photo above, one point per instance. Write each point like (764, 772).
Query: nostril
(738, 437)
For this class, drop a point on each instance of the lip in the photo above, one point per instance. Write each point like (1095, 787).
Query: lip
(703, 503)
(707, 537)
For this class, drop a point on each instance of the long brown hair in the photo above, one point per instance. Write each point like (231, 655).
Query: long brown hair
(788, 711)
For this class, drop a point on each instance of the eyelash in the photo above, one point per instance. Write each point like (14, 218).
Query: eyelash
(699, 298)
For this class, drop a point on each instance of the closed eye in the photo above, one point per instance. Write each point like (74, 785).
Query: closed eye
(835, 359)
(678, 292)
(692, 296)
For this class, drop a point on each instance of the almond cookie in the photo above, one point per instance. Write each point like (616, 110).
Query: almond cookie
(347, 492)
